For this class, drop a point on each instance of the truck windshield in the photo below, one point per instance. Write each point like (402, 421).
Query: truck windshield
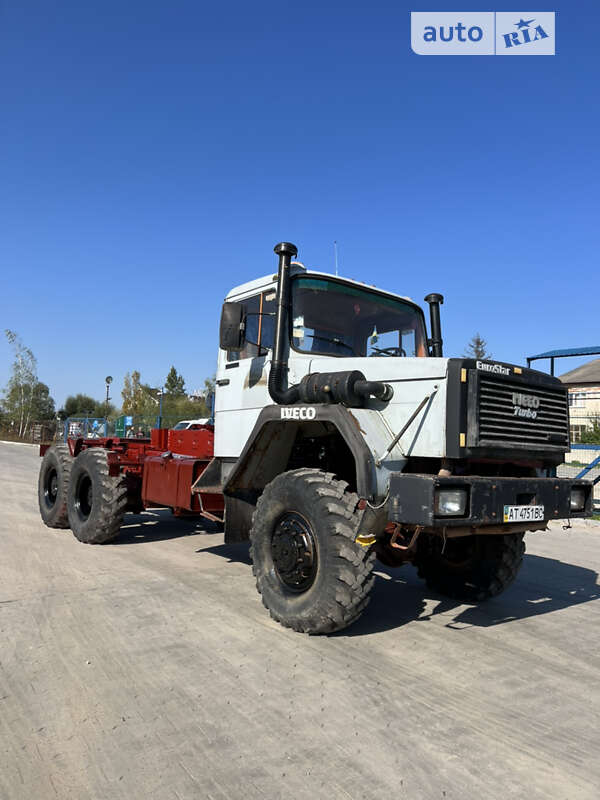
(334, 318)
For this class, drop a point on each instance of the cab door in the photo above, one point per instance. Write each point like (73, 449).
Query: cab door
(241, 390)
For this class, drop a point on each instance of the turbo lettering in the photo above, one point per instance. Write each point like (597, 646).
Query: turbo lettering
(524, 412)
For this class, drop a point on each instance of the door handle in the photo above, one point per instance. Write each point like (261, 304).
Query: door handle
(223, 382)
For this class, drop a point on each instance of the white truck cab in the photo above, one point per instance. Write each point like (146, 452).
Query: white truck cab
(343, 434)
(334, 323)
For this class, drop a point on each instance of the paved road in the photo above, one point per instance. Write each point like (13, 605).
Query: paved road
(149, 669)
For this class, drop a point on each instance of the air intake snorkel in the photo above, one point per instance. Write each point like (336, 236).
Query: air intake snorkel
(347, 388)
(436, 342)
(277, 376)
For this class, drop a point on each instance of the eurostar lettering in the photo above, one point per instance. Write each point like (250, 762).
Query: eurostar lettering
(497, 369)
(298, 413)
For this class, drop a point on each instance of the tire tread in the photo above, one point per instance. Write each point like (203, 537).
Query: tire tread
(350, 581)
(501, 559)
(113, 497)
(58, 518)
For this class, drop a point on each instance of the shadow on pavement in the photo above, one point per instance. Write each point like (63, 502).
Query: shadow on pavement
(396, 598)
(236, 552)
(159, 525)
(543, 585)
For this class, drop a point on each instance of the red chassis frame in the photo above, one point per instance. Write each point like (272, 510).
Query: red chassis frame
(161, 470)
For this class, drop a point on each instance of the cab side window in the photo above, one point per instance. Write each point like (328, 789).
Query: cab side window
(260, 326)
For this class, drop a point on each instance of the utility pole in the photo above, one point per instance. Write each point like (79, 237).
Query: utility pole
(108, 381)
(160, 406)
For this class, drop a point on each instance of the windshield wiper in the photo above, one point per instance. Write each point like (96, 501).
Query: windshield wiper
(332, 341)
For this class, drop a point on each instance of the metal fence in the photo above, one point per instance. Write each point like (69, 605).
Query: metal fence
(583, 461)
(47, 432)
(87, 427)
(36, 433)
(138, 425)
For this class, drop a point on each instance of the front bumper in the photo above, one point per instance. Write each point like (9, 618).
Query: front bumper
(412, 499)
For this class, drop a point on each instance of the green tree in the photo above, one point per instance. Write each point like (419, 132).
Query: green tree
(18, 402)
(209, 389)
(82, 405)
(209, 384)
(132, 393)
(105, 409)
(78, 405)
(592, 435)
(477, 348)
(175, 384)
(182, 407)
(43, 409)
(41, 406)
(139, 399)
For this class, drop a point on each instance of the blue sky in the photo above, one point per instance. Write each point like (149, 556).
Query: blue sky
(153, 154)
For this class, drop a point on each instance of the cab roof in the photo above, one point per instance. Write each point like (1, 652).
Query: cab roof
(251, 287)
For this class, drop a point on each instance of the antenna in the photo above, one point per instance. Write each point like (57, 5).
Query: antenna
(335, 258)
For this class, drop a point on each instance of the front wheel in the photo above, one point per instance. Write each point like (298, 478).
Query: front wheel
(96, 501)
(312, 574)
(470, 568)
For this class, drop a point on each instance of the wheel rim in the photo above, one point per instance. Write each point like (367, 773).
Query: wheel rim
(51, 487)
(294, 551)
(84, 496)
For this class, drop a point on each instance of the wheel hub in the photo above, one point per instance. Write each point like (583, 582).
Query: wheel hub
(51, 488)
(294, 552)
(84, 497)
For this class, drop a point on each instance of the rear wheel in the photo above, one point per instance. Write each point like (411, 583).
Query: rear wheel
(53, 484)
(312, 574)
(96, 501)
(470, 568)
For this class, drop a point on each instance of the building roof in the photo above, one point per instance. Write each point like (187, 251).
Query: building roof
(588, 374)
(571, 351)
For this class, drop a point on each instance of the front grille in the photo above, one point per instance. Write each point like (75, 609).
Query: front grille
(506, 414)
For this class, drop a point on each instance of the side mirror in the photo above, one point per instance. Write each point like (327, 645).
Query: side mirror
(232, 330)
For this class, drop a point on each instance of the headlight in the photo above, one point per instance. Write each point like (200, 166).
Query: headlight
(578, 499)
(451, 502)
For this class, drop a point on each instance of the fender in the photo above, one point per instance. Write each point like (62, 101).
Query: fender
(269, 446)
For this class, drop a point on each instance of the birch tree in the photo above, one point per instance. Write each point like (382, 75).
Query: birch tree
(20, 391)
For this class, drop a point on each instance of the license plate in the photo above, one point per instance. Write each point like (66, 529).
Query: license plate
(523, 513)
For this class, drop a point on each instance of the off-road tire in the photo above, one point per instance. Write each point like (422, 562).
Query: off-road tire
(96, 501)
(342, 580)
(53, 484)
(470, 568)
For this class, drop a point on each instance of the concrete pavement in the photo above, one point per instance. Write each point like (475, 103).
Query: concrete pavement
(148, 668)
